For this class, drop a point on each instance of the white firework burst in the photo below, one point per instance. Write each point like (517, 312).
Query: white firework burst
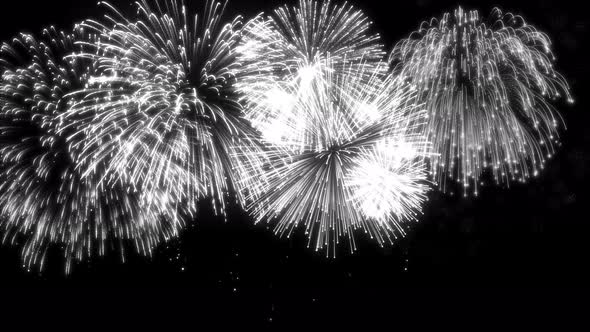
(487, 85)
(45, 201)
(356, 138)
(162, 112)
(283, 56)
(389, 182)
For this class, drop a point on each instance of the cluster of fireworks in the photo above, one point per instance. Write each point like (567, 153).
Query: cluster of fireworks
(112, 133)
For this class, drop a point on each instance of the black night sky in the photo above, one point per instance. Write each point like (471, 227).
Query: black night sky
(528, 236)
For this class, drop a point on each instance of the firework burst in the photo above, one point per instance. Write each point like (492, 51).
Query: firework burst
(44, 199)
(356, 139)
(285, 54)
(487, 85)
(162, 111)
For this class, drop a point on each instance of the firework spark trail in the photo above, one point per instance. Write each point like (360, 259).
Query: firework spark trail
(487, 88)
(163, 110)
(284, 54)
(44, 200)
(349, 126)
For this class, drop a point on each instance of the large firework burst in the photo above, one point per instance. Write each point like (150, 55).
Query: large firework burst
(284, 54)
(162, 109)
(44, 199)
(358, 166)
(487, 86)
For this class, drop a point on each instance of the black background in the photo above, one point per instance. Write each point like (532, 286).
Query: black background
(529, 236)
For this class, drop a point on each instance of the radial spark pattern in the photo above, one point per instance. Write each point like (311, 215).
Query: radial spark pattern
(357, 139)
(487, 85)
(283, 55)
(162, 110)
(44, 199)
